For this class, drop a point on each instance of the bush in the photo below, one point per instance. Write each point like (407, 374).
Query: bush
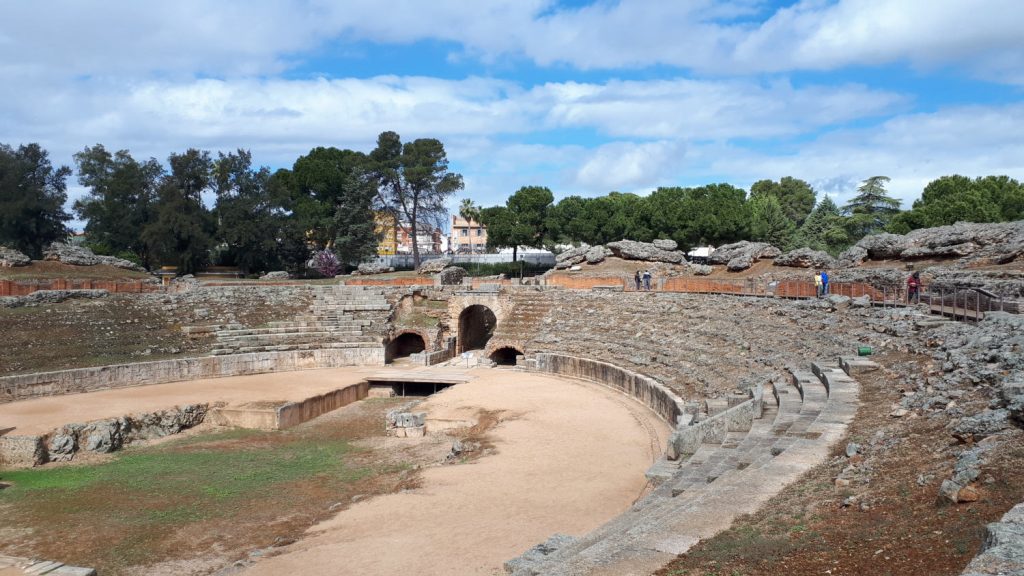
(326, 263)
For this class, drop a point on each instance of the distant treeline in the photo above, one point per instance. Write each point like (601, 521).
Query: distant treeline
(786, 213)
(154, 214)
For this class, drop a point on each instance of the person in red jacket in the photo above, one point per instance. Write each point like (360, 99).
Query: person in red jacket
(914, 288)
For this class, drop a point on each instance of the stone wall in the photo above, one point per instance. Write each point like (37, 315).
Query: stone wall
(295, 413)
(687, 439)
(123, 375)
(647, 390)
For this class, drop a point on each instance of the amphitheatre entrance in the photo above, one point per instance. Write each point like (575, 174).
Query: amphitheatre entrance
(476, 326)
(404, 345)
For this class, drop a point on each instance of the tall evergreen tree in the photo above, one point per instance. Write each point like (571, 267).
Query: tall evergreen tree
(824, 229)
(32, 197)
(248, 222)
(182, 232)
(120, 202)
(796, 197)
(872, 208)
(413, 181)
(769, 223)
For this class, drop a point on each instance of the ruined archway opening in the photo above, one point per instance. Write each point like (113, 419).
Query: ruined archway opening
(404, 345)
(476, 326)
(505, 356)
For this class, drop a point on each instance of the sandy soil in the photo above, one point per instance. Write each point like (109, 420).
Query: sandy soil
(41, 415)
(570, 456)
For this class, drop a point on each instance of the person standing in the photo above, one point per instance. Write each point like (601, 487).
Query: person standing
(817, 284)
(824, 283)
(647, 280)
(914, 288)
(636, 280)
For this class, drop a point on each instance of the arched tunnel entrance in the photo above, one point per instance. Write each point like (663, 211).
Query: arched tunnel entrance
(505, 356)
(476, 326)
(404, 345)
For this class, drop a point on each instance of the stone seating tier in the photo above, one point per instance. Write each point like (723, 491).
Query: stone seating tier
(721, 480)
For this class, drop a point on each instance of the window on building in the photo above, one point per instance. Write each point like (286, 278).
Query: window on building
(479, 232)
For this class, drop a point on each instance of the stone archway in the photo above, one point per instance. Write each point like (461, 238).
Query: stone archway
(404, 345)
(505, 355)
(476, 326)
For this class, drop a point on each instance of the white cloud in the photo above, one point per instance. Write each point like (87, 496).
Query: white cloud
(912, 149)
(629, 165)
(238, 38)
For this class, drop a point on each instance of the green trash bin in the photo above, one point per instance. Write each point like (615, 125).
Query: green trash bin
(864, 351)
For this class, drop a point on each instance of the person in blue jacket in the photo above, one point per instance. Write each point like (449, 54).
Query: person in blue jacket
(824, 283)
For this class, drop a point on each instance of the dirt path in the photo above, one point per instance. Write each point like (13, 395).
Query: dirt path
(570, 456)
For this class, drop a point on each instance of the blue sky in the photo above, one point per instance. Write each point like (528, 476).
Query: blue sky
(582, 97)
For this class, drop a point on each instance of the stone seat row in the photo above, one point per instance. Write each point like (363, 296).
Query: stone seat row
(732, 473)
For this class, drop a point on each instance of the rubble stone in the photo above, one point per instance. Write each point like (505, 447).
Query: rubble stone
(9, 258)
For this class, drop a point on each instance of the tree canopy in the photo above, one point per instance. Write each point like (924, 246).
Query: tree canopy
(182, 232)
(120, 202)
(521, 222)
(32, 197)
(872, 208)
(413, 181)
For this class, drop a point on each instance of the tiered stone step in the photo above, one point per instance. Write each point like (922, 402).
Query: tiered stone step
(340, 317)
(528, 311)
(718, 483)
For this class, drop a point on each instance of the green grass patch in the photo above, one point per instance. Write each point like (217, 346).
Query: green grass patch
(132, 506)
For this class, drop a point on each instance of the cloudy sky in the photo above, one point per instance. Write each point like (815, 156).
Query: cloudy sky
(582, 97)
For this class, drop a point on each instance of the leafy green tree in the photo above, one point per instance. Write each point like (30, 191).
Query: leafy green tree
(247, 220)
(769, 223)
(470, 212)
(182, 232)
(871, 209)
(566, 222)
(413, 181)
(824, 229)
(32, 197)
(120, 202)
(956, 198)
(796, 197)
(1006, 193)
(331, 195)
(521, 222)
(718, 214)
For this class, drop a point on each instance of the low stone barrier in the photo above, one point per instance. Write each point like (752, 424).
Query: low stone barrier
(160, 372)
(295, 413)
(739, 418)
(647, 390)
(101, 436)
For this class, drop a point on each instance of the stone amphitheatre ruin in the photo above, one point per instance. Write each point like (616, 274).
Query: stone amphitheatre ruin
(753, 386)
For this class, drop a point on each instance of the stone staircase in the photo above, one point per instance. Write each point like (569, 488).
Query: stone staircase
(700, 495)
(339, 317)
(529, 310)
(13, 565)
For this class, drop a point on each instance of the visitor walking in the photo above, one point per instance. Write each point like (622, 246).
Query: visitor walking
(636, 280)
(914, 288)
(647, 280)
(817, 284)
(824, 283)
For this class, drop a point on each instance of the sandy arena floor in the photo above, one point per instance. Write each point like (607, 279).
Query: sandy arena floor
(42, 415)
(570, 456)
